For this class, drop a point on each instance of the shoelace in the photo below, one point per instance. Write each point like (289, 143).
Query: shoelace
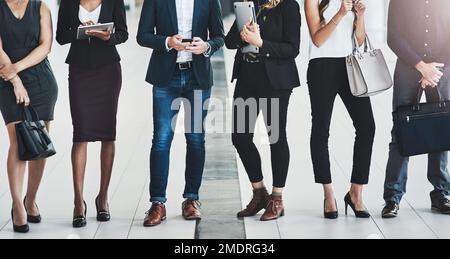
(151, 210)
(273, 205)
(196, 204)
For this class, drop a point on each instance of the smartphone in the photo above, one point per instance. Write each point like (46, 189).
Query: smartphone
(186, 40)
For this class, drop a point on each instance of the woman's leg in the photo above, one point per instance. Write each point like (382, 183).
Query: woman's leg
(35, 174)
(16, 175)
(79, 159)
(275, 115)
(323, 91)
(245, 115)
(107, 163)
(360, 110)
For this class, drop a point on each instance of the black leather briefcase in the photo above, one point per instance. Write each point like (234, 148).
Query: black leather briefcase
(423, 128)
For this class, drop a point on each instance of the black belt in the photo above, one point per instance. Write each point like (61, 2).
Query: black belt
(184, 66)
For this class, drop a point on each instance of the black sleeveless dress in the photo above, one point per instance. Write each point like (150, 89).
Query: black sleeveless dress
(20, 37)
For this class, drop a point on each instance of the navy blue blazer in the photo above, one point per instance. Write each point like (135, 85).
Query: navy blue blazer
(159, 21)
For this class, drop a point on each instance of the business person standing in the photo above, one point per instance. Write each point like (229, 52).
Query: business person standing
(183, 35)
(95, 81)
(331, 25)
(419, 33)
(26, 37)
(267, 77)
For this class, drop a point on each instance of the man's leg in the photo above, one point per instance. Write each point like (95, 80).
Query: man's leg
(438, 174)
(406, 83)
(196, 100)
(164, 117)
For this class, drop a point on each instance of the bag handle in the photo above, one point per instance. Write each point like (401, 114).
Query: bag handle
(29, 114)
(442, 102)
(367, 44)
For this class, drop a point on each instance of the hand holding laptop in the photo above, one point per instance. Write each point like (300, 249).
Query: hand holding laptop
(251, 34)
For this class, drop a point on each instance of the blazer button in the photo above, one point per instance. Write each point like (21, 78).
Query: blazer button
(268, 55)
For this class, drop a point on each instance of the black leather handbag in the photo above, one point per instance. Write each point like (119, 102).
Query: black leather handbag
(32, 137)
(423, 128)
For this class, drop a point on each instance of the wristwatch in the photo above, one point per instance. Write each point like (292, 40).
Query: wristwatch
(207, 53)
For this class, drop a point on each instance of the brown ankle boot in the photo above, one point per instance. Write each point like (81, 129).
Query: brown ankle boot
(259, 202)
(274, 209)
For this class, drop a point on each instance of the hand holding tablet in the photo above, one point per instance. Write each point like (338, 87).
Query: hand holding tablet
(100, 31)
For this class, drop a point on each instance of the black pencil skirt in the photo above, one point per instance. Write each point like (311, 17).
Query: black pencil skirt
(94, 96)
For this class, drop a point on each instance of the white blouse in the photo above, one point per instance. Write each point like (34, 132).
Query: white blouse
(86, 16)
(339, 44)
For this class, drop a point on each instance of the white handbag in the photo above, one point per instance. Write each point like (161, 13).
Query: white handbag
(367, 71)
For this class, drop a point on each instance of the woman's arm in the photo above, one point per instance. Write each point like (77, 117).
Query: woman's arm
(360, 25)
(65, 33)
(19, 90)
(233, 39)
(289, 47)
(10, 71)
(120, 34)
(319, 31)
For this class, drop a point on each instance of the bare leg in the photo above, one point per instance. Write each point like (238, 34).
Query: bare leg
(330, 199)
(356, 193)
(79, 160)
(16, 175)
(107, 163)
(35, 174)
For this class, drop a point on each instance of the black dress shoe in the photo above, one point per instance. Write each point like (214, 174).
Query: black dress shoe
(30, 218)
(331, 214)
(102, 215)
(442, 207)
(80, 220)
(19, 229)
(364, 214)
(390, 210)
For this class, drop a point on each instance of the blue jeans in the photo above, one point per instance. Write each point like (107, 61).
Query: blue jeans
(405, 93)
(167, 100)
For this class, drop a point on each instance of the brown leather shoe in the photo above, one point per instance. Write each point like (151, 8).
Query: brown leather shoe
(156, 215)
(274, 209)
(259, 202)
(191, 210)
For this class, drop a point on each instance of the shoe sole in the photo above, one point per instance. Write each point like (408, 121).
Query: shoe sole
(265, 220)
(436, 211)
(192, 218)
(154, 225)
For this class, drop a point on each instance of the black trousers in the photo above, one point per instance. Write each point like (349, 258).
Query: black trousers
(327, 78)
(255, 95)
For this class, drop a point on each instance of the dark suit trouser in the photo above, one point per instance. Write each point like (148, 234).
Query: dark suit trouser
(406, 83)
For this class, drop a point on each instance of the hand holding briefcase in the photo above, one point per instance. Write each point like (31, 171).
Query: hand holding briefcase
(423, 128)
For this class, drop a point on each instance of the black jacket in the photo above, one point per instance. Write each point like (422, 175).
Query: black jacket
(281, 35)
(94, 53)
(159, 21)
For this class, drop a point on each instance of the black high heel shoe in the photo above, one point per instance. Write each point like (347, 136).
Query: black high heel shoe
(359, 214)
(30, 218)
(80, 221)
(102, 215)
(332, 214)
(19, 229)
